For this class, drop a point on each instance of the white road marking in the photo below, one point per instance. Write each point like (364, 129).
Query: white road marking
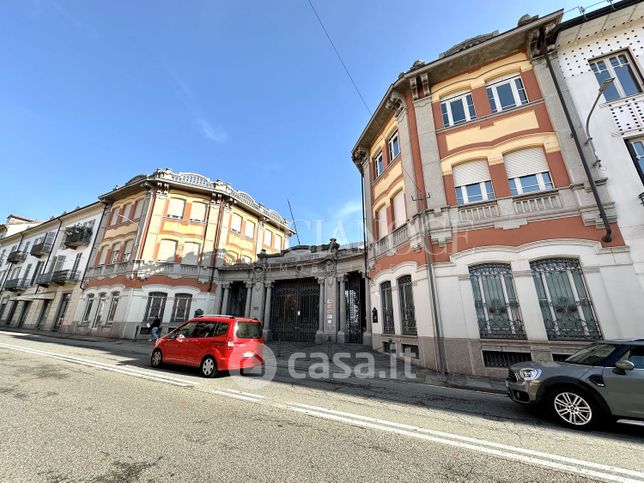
(248, 394)
(107, 367)
(237, 396)
(519, 454)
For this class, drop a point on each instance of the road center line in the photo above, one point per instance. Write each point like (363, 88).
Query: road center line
(101, 365)
(237, 396)
(479, 446)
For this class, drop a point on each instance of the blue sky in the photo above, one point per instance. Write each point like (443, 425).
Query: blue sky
(94, 92)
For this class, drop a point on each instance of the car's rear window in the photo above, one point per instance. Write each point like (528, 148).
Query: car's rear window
(248, 330)
(592, 355)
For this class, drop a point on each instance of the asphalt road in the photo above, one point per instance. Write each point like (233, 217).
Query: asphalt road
(78, 411)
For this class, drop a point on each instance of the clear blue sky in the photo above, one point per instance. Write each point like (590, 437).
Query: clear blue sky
(94, 92)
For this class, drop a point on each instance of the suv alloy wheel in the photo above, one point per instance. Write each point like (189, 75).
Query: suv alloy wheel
(573, 407)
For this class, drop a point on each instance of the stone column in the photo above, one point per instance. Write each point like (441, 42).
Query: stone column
(319, 336)
(267, 310)
(249, 296)
(218, 291)
(224, 301)
(343, 309)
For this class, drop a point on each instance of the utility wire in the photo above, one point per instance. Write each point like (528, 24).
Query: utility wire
(346, 69)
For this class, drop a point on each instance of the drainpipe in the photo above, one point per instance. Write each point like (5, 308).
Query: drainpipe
(602, 212)
(364, 230)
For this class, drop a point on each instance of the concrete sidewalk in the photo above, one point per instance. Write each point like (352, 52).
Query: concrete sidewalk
(305, 358)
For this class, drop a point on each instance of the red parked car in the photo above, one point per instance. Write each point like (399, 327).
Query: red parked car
(212, 343)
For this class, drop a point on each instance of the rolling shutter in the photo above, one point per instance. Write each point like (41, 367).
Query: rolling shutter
(382, 222)
(525, 162)
(400, 213)
(471, 172)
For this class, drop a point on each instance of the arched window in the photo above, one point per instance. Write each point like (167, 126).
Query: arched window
(155, 306)
(387, 308)
(181, 307)
(407, 309)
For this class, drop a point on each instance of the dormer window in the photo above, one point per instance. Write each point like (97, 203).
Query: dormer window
(458, 109)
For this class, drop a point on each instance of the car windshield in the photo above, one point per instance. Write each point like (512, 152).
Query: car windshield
(248, 330)
(592, 355)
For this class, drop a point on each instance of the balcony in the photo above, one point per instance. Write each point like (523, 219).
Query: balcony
(537, 203)
(42, 249)
(478, 212)
(628, 114)
(17, 256)
(77, 236)
(391, 241)
(44, 279)
(61, 277)
(143, 269)
(16, 284)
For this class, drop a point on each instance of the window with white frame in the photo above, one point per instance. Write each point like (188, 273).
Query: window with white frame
(619, 66)
(126, 211)
(190, 253)
(88, 307)
(127, 250)
(383, 228)
(114, 303)
(393, 146)
(506, 94)
(198, 211)
(400, 211)
(268, 238)
(115, 216)
(527, 171)
(155, 306)
(636, 147)
(458, 109)
(472, 182)
(379, 164)
(116, 251)
(167, 251)
(181, 307)
(138, 209)
(249, 229)
(175, 208)
(58, 263)
(278, 241)
(102, 259)
(236, 223)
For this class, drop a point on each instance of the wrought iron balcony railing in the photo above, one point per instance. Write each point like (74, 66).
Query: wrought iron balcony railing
(61, 277)
(17, 256)
(41, 249)
(16, 284)
(77, 236)
(44, 279)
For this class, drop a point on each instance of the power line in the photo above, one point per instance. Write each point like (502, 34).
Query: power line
(346, 69)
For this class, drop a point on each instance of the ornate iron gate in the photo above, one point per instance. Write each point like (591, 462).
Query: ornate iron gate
(353, 293)
(295, 310)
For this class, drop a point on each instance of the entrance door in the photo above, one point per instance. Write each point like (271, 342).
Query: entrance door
(23, 313)
(60, 313)
(237, 299)
(355, 313)
(295, 310)
(43, 312)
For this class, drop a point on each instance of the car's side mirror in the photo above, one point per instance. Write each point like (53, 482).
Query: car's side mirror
(622, 366)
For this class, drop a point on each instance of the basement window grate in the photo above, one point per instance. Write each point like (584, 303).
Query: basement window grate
(504, 359)
(560, 357)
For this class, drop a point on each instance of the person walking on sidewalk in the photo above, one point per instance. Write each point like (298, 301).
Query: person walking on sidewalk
(155, 329)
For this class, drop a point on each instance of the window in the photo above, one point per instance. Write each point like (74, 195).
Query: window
(155, 306)
(167, 251)
(25, 277)
(190, 253)
(495, 300)
(116, 251)
(393, 145)
(458, 109)
(114, 303)
(594, 354)
(175, 208)
(39, 266)
(186, 331)
(181, 307)
(378, 164)
(383, 228)
(249, 229)
(400, 211)
(565, 303)
(387, 308)
(138, 209)
(506, 94)
(278, 241)
(268, 238)
(527, 171)
(636, 356)
(198, 211)
(503, 359)
(58, 263)
(77, 260)
(103, 256)
(88, 307)
(204, 329)
(221, 329)
(246, 259)
(127, 250)
(248, 330)
(126, 211)
(619, 66)
(235, 223)
(636, 149)
(472, 182)
(407, 310)
(116, 213)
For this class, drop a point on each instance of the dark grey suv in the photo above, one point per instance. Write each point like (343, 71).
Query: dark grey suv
(603, 380)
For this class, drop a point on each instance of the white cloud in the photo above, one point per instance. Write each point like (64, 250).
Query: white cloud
(215, 133)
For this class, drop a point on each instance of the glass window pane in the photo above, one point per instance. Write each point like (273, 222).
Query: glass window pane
(506, 97)
(513, 187)
(470, 106)
(458, 111)
(547, 181)
(529, 184)
(459, 195)
(602, 74)
(489, 190)
(627, 80)
(444, 113)
(474, 192)
(490, 96)
(522, 95)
